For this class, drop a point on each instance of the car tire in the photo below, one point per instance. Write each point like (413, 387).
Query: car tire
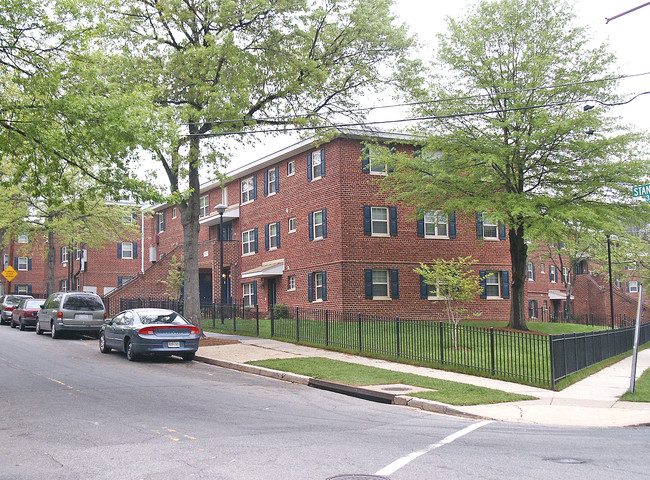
(130, 353)
(102, 344)
(188, 356)
(21, 325)
(39, 330)
(54, 332)
(12, 324)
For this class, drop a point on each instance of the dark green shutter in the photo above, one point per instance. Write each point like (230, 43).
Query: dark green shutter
(266, 238)
(479, 224)
(255, 243)
(310, 288)
(266, 183)
(322, 162)
(424, 288)
(254, 196)
(277, 230)
(452, 224)
(502, 231)
(135, 250)
(309, 168)
(368, 282)
(392, 217)
(367, 225)
(311, 226)
(421, 227)
(324, 222)
(505, 284)
(324, 285)
(394, 283)
(277, 178)
(482, 274)
(119, 250)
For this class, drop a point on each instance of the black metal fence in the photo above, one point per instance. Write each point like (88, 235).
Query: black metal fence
(528, 357)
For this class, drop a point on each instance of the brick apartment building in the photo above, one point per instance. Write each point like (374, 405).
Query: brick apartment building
(98, 270)
(308, 227)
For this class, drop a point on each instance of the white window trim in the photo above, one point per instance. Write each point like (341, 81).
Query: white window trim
(381, 297)
(382, 173)
(317, 154)
(248, 191)
(436, 214)
(436, 296)
(542, 268)
(372, 223)
(316, 285)
(273, 235)
(65, 257)
(270, 182)
(161, 223)
(491, 274)
(23, 238)
(247, 297)
(634, 286)
(291, 283)
(250, 242)
(130, 257)
(529, 271)
(566, 275)
(552, 273)
(294, 225)
(25, 267)
(291, 166)
(204, 206)
(321, 236)
(486, 222)
(174, 213)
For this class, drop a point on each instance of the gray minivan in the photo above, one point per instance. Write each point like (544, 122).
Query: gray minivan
(80, 312)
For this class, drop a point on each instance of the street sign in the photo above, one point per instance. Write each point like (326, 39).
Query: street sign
(641, 190)
(9, 273)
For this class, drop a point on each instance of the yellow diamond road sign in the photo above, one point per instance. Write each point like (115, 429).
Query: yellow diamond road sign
(9, 273)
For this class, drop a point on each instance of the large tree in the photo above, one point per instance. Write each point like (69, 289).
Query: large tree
(228, 67)
(511, 131)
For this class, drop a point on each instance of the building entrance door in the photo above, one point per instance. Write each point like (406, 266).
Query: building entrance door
(272, 293)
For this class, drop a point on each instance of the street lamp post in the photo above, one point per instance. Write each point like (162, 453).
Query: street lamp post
(611, 291)
(220, 209)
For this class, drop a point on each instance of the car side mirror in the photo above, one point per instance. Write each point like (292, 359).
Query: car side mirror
(43, 305)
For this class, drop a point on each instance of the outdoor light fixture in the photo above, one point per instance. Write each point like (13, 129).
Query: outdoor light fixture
(220, 209)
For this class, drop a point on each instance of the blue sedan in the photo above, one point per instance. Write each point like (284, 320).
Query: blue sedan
(150, 331)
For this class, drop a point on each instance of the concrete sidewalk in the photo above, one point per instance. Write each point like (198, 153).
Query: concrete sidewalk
(593, 401)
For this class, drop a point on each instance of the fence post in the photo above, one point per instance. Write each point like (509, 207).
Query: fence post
(492, 351)
(442, 342)
(552, 362)
(297, 326)
(397, 336)
(327, 328)
(359, 329)
(272, 327)
(214, 314)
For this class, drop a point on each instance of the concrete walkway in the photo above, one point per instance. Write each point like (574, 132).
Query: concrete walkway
(593, 401)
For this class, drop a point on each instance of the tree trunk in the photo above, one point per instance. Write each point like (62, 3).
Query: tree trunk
(190, 220)
(51, 262)
(518, 259)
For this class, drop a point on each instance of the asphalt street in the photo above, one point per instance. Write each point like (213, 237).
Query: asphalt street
(69, 412)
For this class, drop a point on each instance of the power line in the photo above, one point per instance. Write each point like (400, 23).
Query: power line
(419, 103)
(412, 119)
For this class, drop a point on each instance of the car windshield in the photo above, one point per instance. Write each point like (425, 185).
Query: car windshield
(83, 302)
(157, 317)
(13, 301)
(33, 304)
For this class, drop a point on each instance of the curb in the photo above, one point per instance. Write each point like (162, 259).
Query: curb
(358, 392)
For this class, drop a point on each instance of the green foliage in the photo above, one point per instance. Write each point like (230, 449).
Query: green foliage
(280, 310)
(175, 277)
(456, 283)
(508, 134)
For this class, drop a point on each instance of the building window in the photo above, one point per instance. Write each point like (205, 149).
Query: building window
(249, 242)
(530, 271)
(161, 222)
(6, 260)
(542, 268)
(174, 213)
(249, 294)
(63, 285)
(273, 236)
(379, 221)
(270, 182)
(316, 164)
(23, 289)
(291, 283)
(64, 254)
(633, 286)
(318, 225)
(23, 264)
(436, 224)
(318, 287)
(204, 206)
(127, 250)
(490, 228)
(291, 168)
(78, 253)
(248, 190)
(224, 195)
(376, 166)
(381, 283)
(532, 309)
(24, 238)
(551, 274)
(492, 285)
(566, 275)
(292, 225)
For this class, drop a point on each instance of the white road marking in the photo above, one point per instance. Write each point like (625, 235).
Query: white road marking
(397, 464)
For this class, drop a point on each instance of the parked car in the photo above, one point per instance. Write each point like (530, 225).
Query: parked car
(7, 305)
(152, 331)
(79, 312)
(25, 314)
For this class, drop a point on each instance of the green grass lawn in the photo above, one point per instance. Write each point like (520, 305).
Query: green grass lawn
(641, 389)
(452, 393)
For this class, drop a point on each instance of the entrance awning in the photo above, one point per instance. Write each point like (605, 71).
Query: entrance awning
(558, 295)
(273, 268)
(231, 213)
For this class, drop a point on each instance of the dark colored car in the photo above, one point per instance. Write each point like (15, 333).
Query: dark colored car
(150, 331)
(25, 314)
(7, 305)
(79, 312)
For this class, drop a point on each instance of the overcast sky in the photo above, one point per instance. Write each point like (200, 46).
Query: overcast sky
(628, 37)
